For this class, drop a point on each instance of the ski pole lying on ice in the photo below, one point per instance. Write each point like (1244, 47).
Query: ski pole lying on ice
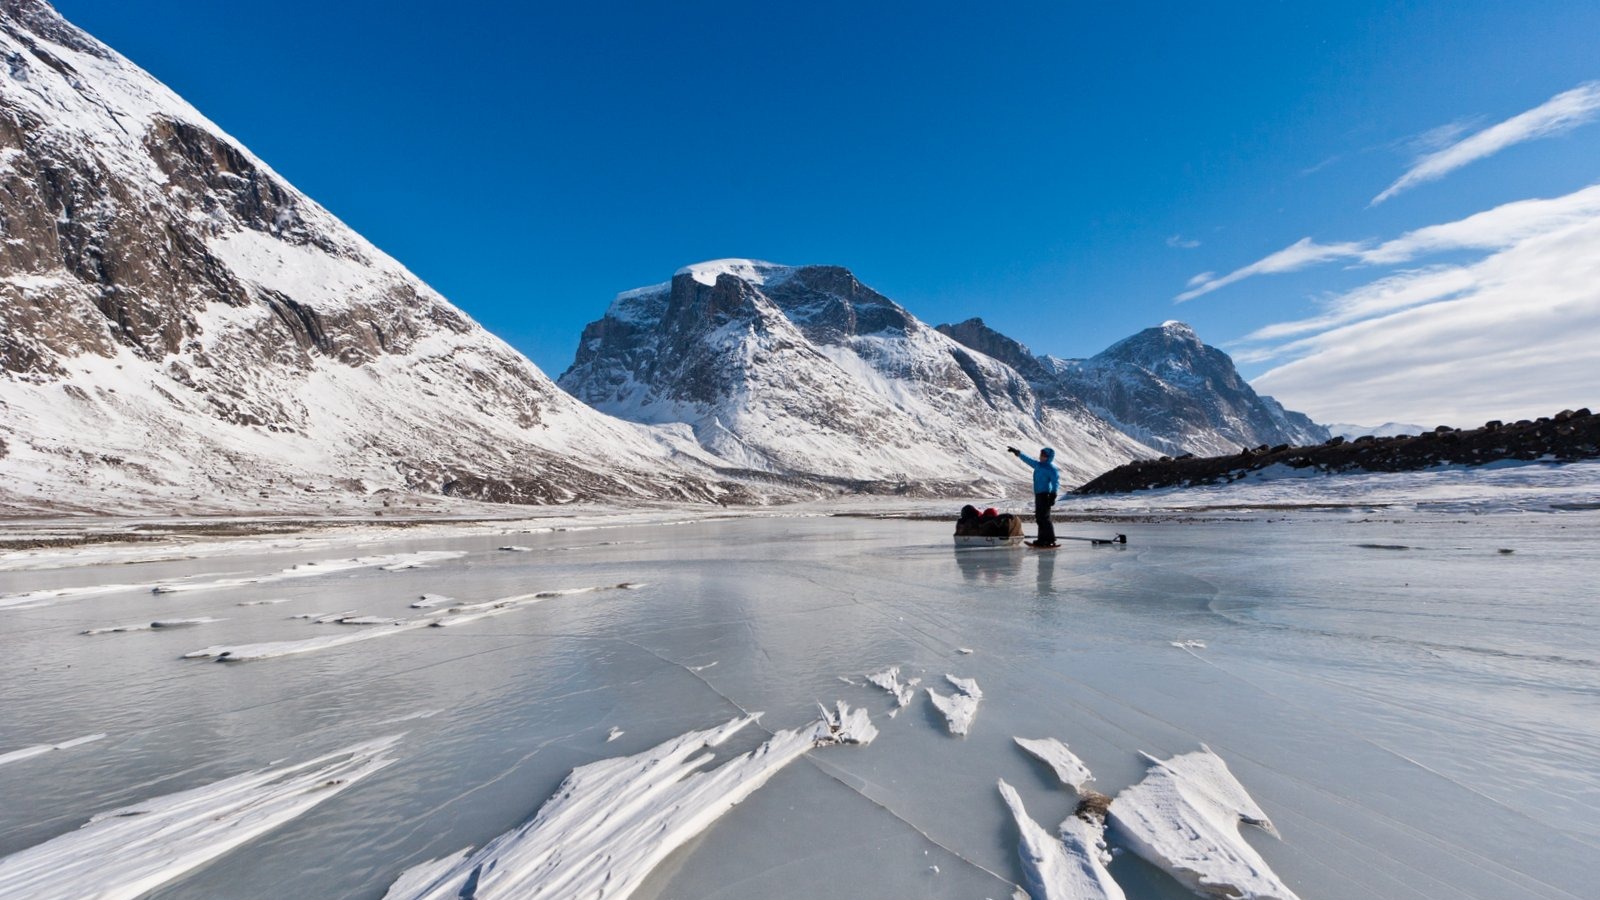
(1119, 539)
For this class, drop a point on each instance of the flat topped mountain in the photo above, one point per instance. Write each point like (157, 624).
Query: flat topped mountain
(181, 329)
(804, 370)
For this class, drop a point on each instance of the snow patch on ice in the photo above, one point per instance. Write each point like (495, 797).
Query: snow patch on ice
(1057, 869)
(125, 853)
(611, 822)
(389, 563)
(889, 680)
(1069, 769)
(41, 749)
(1184, 819)
(960, 708)
(150, 626)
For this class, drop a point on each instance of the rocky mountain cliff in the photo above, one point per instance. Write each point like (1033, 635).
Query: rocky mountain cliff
(804, 370)
(182, 330)
(1162, 386)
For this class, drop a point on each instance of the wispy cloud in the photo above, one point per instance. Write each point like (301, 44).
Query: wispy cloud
(1302, 253)
(1493, 229)
(1511, 334)
(1563, 112)
(1179, 242)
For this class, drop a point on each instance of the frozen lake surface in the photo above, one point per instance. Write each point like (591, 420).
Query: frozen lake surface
(1413, 708)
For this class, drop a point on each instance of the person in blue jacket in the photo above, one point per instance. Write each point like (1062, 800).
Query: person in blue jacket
(1046, 483)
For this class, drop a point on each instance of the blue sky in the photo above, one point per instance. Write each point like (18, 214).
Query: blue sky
(1064, 170)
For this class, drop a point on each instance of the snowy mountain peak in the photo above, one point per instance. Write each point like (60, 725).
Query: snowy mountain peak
(1171, 343)
(754, 271)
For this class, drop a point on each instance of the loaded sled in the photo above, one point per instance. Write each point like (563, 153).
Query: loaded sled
(989, 529)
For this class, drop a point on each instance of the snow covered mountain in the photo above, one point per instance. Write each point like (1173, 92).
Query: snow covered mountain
(1388, 429)
(1162, 386)
(181, 329)
(803, 370)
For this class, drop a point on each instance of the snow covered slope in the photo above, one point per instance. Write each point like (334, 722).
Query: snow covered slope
(1162, 386)
(181, 329)
(804, 371)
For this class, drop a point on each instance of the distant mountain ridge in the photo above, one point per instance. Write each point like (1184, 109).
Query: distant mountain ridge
(805, 370)
(1162, 386)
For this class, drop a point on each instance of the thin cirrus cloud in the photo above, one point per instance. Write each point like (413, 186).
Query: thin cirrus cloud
(1492, 229)
(1302, 253)
(1563, 112)
(1511, 334)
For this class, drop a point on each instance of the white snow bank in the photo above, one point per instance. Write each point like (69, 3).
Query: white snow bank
(960, 708)
(1184, 819)
(428, 600)
(611, 822)
(1066, 764)
(150, 626)
(41, 749)
(889, 680)
(127, 852)
(1058, 870)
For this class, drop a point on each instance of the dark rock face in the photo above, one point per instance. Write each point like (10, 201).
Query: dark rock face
(980, 337)
(1570, 435)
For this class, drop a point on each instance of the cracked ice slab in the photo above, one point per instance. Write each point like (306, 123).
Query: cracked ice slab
(1067, 869)
(959, 708)
(472, 612)
(889, 680)
(152, 626)
(380, 628)
(127, 852)
(611, 822)
(1184, 819)
(393, 562)
(1068, 767)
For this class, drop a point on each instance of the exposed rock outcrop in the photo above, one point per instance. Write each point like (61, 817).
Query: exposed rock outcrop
(1567, 436)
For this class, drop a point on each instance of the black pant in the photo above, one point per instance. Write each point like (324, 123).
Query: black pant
(1041, 515)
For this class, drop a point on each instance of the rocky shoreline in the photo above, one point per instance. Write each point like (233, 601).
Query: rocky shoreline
(1567, 436)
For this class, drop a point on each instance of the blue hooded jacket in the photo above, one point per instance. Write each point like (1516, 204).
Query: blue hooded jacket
(1046, 477)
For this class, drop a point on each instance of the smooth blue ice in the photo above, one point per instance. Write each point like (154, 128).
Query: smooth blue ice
(1418, 722)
